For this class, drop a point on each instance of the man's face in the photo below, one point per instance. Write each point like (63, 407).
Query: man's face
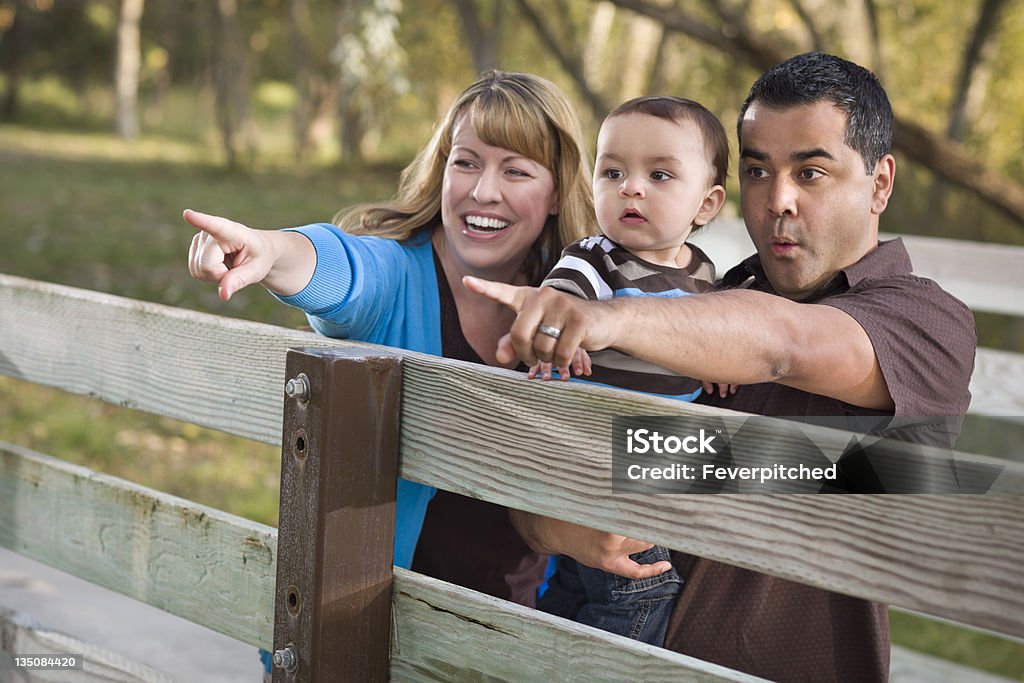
(810, 208)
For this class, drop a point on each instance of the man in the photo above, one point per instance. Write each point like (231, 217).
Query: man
(822, 321)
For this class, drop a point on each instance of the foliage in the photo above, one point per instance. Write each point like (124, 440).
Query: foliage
(71, 42)
(371, 60)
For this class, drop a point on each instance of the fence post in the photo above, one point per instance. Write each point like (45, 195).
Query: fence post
(339, 464)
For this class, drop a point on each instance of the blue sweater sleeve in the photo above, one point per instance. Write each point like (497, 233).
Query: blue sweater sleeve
(356, 286)
(372, 289)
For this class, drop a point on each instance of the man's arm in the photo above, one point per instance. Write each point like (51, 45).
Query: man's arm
(745, 337)
(735, 337)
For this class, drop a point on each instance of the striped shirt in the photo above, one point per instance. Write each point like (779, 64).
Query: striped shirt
(595, 268)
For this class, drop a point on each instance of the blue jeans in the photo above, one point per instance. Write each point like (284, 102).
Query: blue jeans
(635, 608)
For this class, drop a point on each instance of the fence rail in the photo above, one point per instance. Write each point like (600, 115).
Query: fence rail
(462, 429)
(218, 570)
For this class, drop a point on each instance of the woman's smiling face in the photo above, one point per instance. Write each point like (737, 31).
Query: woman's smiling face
(494, 205)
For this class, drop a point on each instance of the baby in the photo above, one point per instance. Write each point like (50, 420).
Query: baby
(659, 174)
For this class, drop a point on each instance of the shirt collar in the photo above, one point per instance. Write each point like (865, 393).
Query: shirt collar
(889, 258)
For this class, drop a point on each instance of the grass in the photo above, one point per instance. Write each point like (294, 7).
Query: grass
(86, 209)
(972, 648)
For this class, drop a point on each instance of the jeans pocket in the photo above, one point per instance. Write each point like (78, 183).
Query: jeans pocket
(664, 585)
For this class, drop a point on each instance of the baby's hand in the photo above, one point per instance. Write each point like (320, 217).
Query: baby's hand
(580, 366)
(723, 389)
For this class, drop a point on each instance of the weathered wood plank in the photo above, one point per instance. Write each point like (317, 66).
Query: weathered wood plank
(466, 428)
(953, 556)
(447, 633)
(218, 570)
(217, 372)
(996, 383)
(985, 276)
(20, 635)
(190, 560)
(226, 373)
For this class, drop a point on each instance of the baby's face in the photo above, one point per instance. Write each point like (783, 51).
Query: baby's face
(650, 183)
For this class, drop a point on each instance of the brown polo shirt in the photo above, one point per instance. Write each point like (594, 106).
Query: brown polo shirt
(925, 342)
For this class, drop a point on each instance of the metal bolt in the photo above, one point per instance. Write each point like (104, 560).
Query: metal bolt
(298, 387)
(287, 659)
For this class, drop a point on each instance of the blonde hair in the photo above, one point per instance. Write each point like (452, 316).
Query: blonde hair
(520, 112)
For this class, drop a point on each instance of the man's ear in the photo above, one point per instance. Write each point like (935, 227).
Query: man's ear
(713, 202)
(884, 177)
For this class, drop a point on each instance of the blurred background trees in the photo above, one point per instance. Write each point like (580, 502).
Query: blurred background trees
(362, 80)
(346, 91)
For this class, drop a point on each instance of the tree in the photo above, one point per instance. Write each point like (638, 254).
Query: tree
(974, 70)
(565, 50)
(728, 30)
(129, 61)
(371, 63)
(231, 81)
(11, 47)
(481, 25)
(298, 20)
(974, 75)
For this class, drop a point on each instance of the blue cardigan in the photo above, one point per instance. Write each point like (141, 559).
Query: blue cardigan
(381, 291)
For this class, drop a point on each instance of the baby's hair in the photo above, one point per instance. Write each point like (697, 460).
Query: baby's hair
(678, 109)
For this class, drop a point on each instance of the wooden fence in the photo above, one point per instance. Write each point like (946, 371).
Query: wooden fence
(461, 428)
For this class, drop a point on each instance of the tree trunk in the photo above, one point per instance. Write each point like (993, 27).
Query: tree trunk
(645, 37)
(231, 82)
(482, 33)
(808, 21)
(974, 70)
(10, 63)
(129, 61)
(656, 81)
(877, 58)
(943, 156)
(302, 117)
(572, 63)
(601, 21)
(350, 124)
(974, 73)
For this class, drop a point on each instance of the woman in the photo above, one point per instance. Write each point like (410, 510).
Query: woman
(502, 186)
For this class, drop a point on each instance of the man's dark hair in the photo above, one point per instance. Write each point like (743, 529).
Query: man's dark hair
(815, 76)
